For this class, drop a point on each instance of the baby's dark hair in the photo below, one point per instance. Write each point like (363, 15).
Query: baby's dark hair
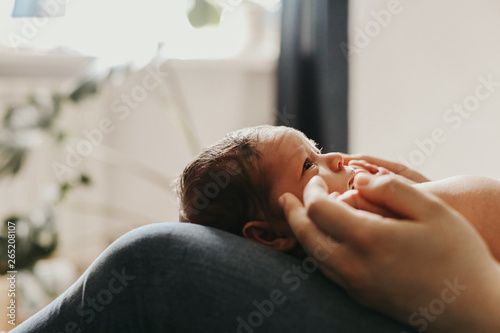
(225, 187)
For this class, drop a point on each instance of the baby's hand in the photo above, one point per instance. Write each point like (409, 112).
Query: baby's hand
(372, 164)
(364, 166)
(376, 170)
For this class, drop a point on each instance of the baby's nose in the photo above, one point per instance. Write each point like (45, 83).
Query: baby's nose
(335, 161)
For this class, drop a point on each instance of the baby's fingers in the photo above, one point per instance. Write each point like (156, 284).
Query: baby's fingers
(371, 168)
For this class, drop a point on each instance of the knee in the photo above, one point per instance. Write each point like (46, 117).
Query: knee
(165, 235)
(165, 241)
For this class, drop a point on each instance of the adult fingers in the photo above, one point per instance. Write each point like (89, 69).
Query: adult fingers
(315, 242)
(354, 199)
(397, 196)
(393, 166)
(300, 223)
(296, 215)
(334, 217)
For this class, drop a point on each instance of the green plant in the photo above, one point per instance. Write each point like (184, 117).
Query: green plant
(27, 125)
(204, 12)
(24, 128)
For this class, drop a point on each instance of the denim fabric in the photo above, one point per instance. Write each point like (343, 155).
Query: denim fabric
(176, 277)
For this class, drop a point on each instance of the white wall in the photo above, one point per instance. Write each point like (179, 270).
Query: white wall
(409, 69)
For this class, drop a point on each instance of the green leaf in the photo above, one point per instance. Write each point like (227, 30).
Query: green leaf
(60, 136)
(85, 179)
(204, 13)
(83, 90)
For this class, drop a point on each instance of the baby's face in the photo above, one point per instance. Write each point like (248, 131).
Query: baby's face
(291, 160)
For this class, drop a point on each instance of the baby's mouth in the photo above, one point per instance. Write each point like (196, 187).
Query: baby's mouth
(350, 185)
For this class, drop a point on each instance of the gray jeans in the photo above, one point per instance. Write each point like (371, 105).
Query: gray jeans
(176, 277)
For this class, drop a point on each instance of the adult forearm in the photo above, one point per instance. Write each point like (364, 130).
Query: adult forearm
(477, 199)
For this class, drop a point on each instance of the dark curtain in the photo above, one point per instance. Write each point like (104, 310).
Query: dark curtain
(313, 70)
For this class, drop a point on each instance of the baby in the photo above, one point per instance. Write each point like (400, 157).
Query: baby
(234, 185)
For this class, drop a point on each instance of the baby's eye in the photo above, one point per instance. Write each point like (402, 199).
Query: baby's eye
(307, 165)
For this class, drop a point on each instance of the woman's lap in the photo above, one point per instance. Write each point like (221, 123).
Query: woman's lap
(177, 277)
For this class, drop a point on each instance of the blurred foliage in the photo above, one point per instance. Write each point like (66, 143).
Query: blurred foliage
(24, 127)
(204, 13)
(35, 233)
(209, 12)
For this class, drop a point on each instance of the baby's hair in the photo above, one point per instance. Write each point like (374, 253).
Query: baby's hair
(224, 186)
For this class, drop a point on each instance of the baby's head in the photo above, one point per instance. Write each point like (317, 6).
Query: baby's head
(234, 185)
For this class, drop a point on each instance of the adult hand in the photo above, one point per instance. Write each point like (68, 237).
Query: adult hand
(377, 165)
(429, 268)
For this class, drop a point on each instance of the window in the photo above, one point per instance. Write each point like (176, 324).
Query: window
(125, 30)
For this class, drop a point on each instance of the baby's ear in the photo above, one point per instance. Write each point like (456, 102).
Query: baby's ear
(263, 233)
